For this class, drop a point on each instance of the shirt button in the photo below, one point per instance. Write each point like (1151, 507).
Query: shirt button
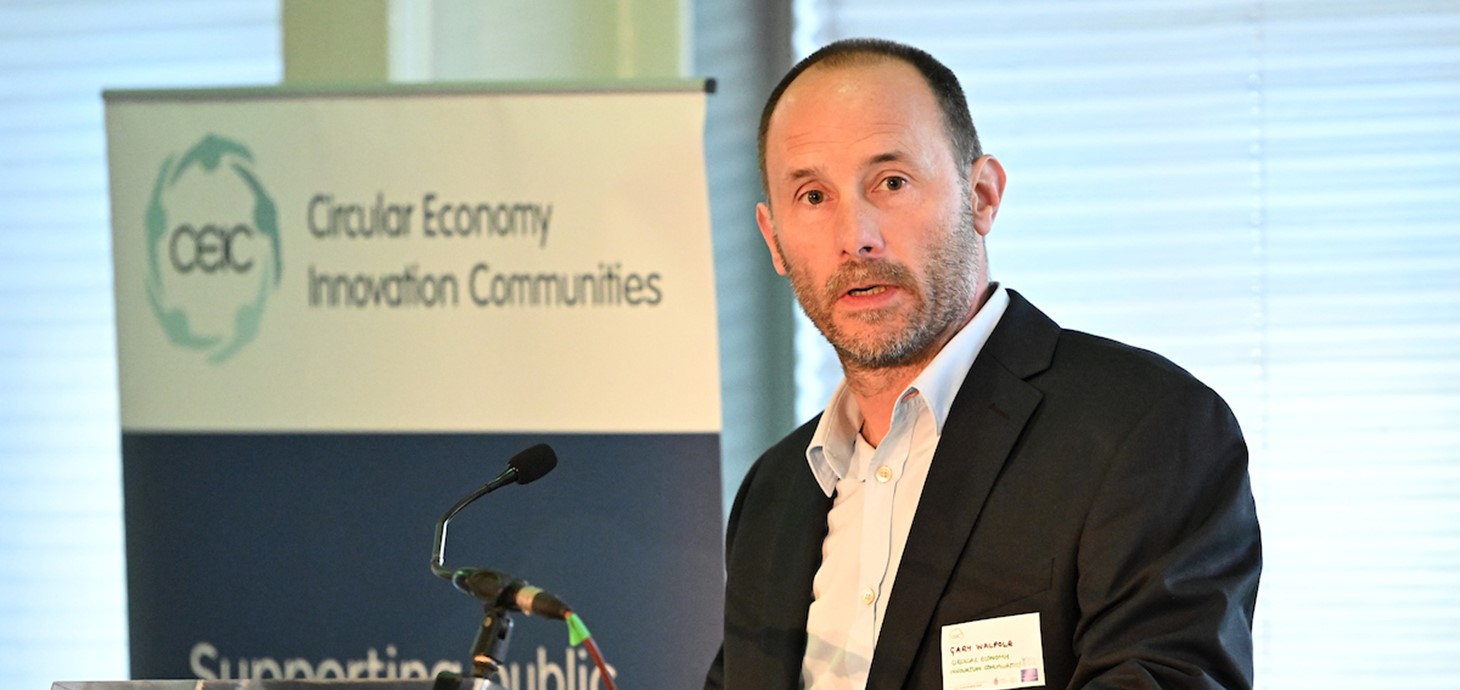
(884, 474)
(869, 596)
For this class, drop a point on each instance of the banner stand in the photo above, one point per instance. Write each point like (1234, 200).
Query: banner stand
(340, 309)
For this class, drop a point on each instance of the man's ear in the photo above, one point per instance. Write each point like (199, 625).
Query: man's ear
(987, 182)
(768, 233)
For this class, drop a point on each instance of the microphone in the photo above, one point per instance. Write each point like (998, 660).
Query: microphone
(525, 467)
(509, 592)
(489, 585)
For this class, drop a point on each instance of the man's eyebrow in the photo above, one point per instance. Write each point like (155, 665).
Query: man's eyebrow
(802, 173)
(888, 157)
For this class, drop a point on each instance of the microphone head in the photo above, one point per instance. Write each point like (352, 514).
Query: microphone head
(533, 463)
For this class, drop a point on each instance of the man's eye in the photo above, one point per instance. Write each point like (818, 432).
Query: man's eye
(895, 183)
(814, 197)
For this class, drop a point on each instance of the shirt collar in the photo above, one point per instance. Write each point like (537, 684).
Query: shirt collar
(830, 452)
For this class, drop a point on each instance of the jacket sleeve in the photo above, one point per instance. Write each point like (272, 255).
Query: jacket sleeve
(715, 678)
(1170, 555)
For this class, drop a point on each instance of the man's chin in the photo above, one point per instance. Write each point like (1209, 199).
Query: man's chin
(872, 360)
(862, 336)
(870, 352)
(882, 346)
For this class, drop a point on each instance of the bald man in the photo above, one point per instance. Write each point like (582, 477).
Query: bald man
(988, 500)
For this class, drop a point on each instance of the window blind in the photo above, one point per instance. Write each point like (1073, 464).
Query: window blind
(1269, 194)
(744, 46)
(62, 576)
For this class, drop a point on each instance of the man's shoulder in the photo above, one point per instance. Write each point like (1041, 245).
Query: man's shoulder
(1100, 388)
(1076, 360)
(1102, 357)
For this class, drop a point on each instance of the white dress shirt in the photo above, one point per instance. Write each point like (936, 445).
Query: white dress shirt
(876, 494)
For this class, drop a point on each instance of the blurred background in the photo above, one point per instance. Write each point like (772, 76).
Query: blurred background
(1267, 192)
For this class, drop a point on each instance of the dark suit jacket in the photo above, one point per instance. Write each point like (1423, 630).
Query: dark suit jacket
(1096, 484)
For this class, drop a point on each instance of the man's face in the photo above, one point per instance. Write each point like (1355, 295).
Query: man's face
(868, 213)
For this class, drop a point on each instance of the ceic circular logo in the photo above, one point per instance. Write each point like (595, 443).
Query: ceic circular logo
(212, 248)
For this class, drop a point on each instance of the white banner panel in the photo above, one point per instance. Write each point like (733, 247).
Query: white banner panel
(413, 261)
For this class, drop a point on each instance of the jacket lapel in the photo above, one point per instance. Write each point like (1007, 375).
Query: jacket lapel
(986, 419)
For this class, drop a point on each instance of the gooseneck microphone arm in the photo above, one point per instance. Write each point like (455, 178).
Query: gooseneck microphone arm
(438, 550)
(524, 468)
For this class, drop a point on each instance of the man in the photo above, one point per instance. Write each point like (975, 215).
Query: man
(988, 498)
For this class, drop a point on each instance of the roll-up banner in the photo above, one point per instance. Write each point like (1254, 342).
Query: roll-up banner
(338, 312)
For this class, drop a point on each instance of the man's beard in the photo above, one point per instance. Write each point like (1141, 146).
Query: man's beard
(943, 299)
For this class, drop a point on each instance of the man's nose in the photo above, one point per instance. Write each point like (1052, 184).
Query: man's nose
(859, 230)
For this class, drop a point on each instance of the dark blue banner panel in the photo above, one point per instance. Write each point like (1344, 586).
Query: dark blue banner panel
(308, 555)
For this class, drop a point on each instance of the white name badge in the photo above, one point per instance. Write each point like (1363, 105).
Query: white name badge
(999, 653)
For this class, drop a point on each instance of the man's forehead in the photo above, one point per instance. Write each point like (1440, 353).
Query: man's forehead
(863, 101)
(879, 142)
(864, 73)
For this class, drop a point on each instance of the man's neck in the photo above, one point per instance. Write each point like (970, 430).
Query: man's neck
(876, 392)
